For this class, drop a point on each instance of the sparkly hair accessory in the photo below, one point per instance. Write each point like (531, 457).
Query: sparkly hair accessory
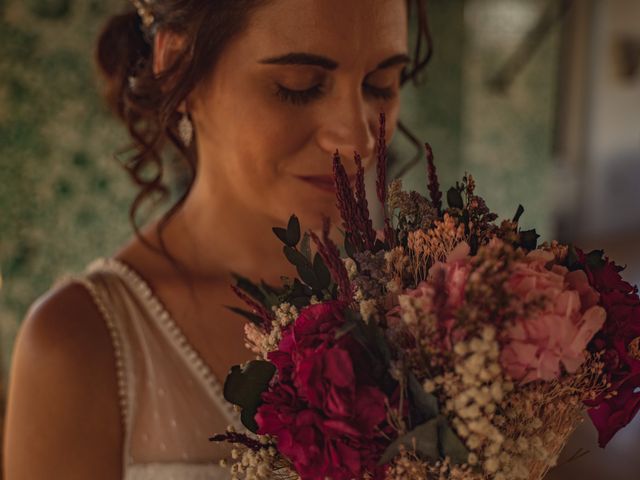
(144, 11)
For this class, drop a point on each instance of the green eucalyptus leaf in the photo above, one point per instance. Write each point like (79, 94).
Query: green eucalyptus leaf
(245, 385)
(305, 246)
(572, 261)
(519, 212)
(300, 302)
(370, 336)
(454, 198)
(450, 444)
(348, 247)
(594, 259)
(248, 287)
(424, 438)
(272, 296)
(379, 246)
(345, 329)
(299, 289)
(321, 271)
(252, 317)
(376, 336)
(295, 257)
(425, 402)
(308, 276)
(529, 239)
(474, 244)
(281, 233)
(359, 333)
(293, 231)
(465, 221)
(270, 289)
(247, 417)
(359, 336)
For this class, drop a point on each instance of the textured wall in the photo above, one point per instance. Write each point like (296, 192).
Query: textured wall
(503, 138)
(63, 198)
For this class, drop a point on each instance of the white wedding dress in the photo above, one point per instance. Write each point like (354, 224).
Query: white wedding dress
(170, 401)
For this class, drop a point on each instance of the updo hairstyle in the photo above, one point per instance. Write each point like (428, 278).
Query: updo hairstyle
(147, 103)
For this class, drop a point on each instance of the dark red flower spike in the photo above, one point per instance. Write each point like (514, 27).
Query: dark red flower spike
(331, 256)
(256, 308)
(367, 232)
(381, 180)
(434, 186)
(381, 162)
(344, 198)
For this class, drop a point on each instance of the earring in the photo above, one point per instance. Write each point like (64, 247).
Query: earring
(185, 130)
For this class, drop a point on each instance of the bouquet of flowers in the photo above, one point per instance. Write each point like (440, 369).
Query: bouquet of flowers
(444, 345)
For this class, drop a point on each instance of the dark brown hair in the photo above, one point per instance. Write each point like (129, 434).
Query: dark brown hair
(147, 103)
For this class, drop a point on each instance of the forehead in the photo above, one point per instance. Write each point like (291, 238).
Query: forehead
(348, 31)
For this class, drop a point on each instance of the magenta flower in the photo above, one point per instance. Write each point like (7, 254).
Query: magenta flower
(324, 408)
(610, 413)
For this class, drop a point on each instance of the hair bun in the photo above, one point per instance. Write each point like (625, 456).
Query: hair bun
(122, 49)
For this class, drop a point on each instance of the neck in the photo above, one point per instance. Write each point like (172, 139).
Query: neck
(213, 234)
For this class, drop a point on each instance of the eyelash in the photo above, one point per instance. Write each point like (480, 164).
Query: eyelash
(298, 97)
(303, 97)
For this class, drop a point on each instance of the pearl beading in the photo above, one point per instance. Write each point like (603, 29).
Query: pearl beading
(118, 350)
(122, 359)
(172, 331)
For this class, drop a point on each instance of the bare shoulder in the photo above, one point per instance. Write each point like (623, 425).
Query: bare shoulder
(63, 416)
(64, 320)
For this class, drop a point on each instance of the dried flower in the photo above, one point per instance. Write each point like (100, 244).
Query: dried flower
(560, 331)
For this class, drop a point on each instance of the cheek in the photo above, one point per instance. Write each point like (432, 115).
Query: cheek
(265, 136)
(284, 134)
(255, 136)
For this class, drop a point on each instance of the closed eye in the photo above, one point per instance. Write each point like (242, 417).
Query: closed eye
(386, 93)
(298, 97)
(303, 97)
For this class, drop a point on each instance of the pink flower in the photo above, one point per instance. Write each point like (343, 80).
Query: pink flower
(441, 294)
(323, 407)
(558, 333)
(453, 275)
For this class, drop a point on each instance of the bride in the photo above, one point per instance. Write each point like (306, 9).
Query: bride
(117, 372)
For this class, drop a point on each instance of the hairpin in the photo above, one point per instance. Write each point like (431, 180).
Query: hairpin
(144, 11)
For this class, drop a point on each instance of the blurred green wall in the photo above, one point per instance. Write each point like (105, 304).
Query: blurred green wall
(64, 199)
(503, 138)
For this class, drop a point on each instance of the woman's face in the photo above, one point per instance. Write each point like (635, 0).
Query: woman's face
(305, 78)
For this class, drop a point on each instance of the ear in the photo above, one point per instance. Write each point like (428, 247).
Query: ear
(167, 45)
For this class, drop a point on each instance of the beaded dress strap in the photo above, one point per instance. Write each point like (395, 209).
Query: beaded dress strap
(124, 367)
(172, 333)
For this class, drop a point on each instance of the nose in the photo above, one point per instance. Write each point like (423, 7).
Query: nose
(347, 127)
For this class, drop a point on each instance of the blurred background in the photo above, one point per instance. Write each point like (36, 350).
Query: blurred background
(538, 99)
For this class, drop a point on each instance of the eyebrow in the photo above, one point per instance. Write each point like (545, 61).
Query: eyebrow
(299, 58)
(400, 59)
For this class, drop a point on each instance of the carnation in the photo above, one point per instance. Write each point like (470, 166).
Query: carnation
(324, 409)
(617, 405)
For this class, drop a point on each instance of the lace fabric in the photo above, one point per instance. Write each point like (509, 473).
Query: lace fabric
(171, 403)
